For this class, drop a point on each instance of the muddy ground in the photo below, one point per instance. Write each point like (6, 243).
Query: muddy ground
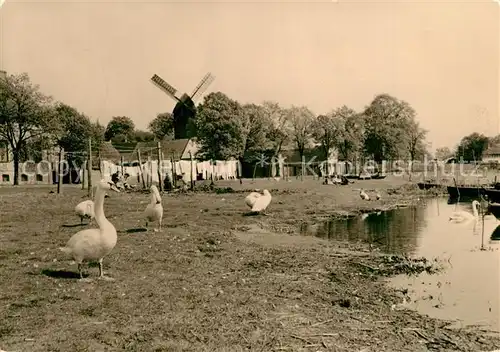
(212, 279)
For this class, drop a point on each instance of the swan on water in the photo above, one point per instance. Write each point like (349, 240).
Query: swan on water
(377, 195)
(92, 245)
(363, 195)
(154, 210)
(85, 209)
(261, 203)
(464, 216)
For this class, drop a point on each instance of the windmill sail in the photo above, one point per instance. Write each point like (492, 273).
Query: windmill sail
(167, 88)
(202, 86)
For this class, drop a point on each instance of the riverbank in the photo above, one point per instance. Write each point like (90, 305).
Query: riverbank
(213, 279)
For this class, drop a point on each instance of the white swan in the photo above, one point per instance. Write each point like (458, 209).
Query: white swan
(262, 202)
(363, 195)
(85, 209)
(377, 195)
(92, 245)
(252, 198)
(154, 210)
(464, 216)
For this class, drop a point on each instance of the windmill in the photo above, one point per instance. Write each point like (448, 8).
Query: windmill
(185, 109)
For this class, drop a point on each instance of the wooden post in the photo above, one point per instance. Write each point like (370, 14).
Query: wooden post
(59, 176)
(149, 176)
(122, 167)
(191, 160)
(100, 163)
(82, 170)
(51, 167)
(174, 171)
(303, 167)
(90, 190)
(160, 183)
(141, 175)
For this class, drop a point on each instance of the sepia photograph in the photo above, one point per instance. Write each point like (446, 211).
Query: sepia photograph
(228, 176)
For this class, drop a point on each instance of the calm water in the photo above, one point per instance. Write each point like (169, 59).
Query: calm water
(468, 291)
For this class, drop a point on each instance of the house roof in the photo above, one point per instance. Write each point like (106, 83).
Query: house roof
(495, 149)
(126, 150)
(106, 152)
(171, 148)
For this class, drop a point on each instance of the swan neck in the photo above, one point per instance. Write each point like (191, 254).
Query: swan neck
(99, 208)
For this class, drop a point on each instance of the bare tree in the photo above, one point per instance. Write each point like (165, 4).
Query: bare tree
(301, 119)
(279, 131)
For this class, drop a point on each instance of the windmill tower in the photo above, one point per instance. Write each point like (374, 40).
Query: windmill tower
(185, 110)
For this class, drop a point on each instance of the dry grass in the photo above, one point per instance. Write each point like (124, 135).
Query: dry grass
(212, 280)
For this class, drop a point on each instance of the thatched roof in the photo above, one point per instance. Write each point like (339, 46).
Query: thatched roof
(172, 148)
(106, 152)
(126, 150)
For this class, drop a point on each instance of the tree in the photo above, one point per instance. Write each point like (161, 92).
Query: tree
(351, 136)
(495, 140)
(120, 127)
(97, 134)
(443, 153)
(280, 130)
(222, 127)
(143, 136)
(25, 115)
(162, 126)
(471, 147)
(326, 130)
(386, 121)
(301, 119)
(416, 141)
(77, 129)
(258, 128)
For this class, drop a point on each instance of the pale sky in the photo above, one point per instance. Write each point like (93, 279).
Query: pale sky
(441, 57)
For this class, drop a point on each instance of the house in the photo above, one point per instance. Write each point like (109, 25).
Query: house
(6, 164)
(260, 165)
(29, 171)
(492, 154)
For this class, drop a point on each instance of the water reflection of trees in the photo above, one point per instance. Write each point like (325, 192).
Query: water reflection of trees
(495, 235)
(395, 231)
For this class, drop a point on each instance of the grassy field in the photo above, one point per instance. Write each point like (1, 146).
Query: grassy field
(211, 280)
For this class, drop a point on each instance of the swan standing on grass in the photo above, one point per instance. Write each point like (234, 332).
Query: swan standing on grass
(261, 203)
(154, 210)
(85, 209)
(464, 216)
(252, 198)
(363, 195)
(92, 245)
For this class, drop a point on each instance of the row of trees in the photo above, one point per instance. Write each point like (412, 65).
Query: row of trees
(470, 148)
(31, 121)
(386, 129)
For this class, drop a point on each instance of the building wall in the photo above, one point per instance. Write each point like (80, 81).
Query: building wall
(491, 158)
(192, 147)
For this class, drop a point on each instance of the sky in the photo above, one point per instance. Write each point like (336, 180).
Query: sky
(441, 57)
